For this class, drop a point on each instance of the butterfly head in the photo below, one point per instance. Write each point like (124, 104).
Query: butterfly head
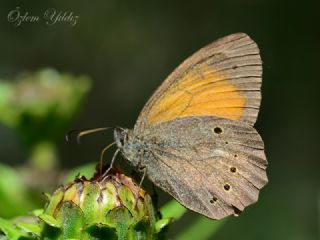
(121, 136)
(128, 144)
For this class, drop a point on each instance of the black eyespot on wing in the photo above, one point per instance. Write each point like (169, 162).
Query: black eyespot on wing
(213, 200)
(217, 130)
(226, 187)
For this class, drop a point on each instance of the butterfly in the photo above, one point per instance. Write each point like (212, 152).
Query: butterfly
(195, 138)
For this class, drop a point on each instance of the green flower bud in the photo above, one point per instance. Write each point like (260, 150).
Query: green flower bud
(89, 209)
(113, 207)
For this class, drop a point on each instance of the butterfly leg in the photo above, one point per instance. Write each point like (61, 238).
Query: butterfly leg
(111, 164)
(144, 169)
(102, 154)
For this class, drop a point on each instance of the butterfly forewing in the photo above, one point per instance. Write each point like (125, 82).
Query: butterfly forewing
(222, 80)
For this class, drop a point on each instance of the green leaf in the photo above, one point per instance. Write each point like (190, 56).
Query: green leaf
(205, 226)
(37, 212)
(121, 219)
(72, 220)
(48, 219)
(89, 205)
(54, 202)
(128, 199)
(33, 228)
(11, 197)
(173, 209)
(10, 230)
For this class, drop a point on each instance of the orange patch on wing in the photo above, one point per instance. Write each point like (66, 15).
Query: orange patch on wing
(201, 92)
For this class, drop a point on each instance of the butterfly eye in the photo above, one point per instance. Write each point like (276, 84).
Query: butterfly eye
(141, 168)
(121, 141)
(121, 136)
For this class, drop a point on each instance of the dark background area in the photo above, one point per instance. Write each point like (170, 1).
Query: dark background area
(128, 49)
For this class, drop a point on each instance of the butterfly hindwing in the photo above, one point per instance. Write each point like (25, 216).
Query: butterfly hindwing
(217, 174)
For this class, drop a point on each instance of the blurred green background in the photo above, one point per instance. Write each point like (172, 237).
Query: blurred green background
(128, 48)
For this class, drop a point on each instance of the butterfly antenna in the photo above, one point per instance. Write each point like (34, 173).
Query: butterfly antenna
(102, 154)
(81, 133)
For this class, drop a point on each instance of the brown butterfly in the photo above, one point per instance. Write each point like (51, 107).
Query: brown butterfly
(195, 138)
